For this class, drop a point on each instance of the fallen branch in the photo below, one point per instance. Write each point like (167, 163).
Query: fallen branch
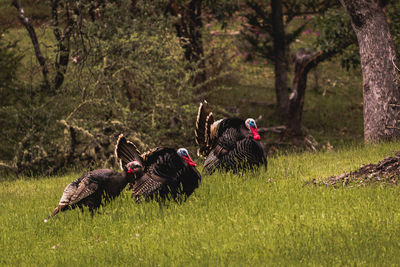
(309, 144)
(9, 168)
(259, 103)
(275, 129)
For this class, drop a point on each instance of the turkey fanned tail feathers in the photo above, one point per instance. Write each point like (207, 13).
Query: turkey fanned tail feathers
(209, 133)
(200, 131)
(126, 152)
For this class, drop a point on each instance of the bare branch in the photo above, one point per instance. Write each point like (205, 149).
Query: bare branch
(27, 22)
(309, 144)
(395, 64)
(392, 127)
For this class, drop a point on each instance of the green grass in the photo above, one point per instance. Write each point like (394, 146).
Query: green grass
(263, 218)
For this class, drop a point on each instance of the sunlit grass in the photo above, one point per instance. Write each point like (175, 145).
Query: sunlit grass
(261, 218)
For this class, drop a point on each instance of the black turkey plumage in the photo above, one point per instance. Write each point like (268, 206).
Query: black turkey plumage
(95, 188)
(230, 143)
(165, 173)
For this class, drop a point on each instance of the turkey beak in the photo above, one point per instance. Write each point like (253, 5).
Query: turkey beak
(254, 131)
(189, 161)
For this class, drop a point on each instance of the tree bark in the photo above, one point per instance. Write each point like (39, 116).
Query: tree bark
(378, 59)
(281, 65)
(63, 45)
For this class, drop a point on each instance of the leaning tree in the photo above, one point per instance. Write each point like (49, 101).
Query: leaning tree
(267, 31)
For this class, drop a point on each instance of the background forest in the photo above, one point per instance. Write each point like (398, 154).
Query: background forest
(101, 68)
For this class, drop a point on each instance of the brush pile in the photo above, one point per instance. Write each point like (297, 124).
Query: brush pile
(386, 171)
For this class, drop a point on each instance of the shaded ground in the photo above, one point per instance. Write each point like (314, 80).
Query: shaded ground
(386, 171)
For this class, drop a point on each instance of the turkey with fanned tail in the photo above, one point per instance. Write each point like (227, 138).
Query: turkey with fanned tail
(165, 173)
(96, 187)
(229, 144)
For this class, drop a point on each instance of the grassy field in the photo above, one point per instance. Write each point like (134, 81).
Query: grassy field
(258, 219)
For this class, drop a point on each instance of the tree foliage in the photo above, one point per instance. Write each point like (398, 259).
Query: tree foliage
(336, 33)
(9, 93)
(126, 73)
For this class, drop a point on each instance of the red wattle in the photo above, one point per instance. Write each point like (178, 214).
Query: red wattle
(131, 171)
(256, 136)
(190, 161)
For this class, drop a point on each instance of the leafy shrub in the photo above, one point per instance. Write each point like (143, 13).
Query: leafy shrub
(9, 62)
(127, 74)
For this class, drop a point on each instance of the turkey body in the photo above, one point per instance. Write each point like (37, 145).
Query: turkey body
(228, 144)
(166, 176)
(93, 189)
(166, 173)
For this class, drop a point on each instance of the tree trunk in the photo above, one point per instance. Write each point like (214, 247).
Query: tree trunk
(303, 64)
(378, 58)
(281, 65)
(63, 45)
(195, 26)
(302, 67)
(188, 27)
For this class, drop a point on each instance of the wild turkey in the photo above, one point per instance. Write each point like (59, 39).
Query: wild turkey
(166, 173)
(95, 188)
(230, 143)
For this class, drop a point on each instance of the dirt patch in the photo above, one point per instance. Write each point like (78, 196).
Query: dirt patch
(386, 171)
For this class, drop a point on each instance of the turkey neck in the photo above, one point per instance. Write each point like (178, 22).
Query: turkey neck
(118, 183)
(245, 131)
